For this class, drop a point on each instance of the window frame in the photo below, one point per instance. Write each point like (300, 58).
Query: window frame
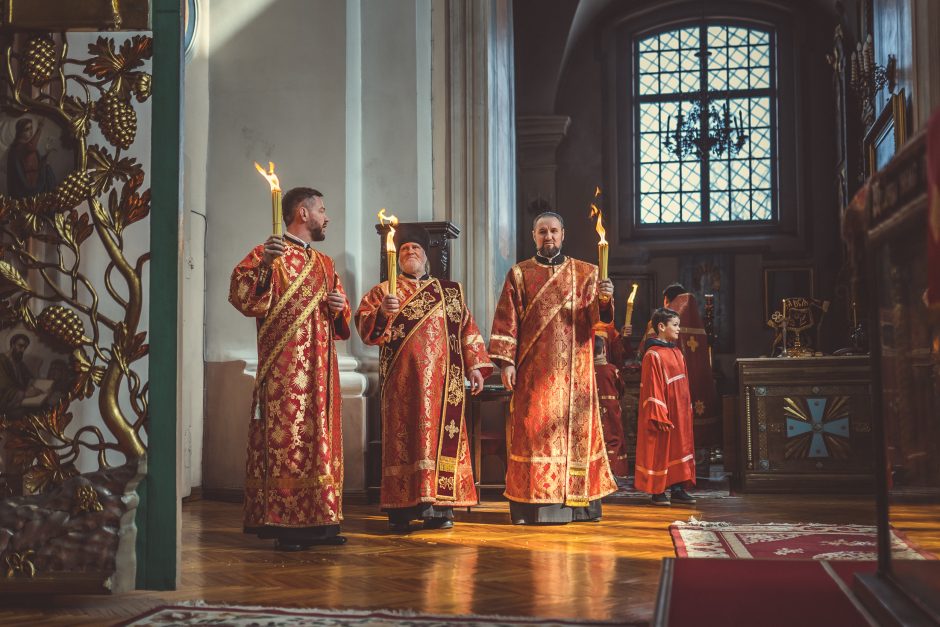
(788, 231)
(704, 95)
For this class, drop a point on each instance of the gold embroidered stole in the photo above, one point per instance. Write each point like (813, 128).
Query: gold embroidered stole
(291, 311)
(554, 294)
(414, 313)
(582, 410)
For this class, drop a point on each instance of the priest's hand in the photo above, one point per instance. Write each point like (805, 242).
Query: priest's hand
(336, 301)
(508, 374)
(605, 290)
(390, 305)
(476, 381)
(663, 426)
(273, 248)
(627, 330)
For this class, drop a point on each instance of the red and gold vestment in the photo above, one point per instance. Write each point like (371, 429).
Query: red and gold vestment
(609, 392)
(544, 327)
(664, 458)
(295, 442)
(693, 341)
(427, 349)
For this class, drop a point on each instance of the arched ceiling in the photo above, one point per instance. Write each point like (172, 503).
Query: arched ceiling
(547, 33)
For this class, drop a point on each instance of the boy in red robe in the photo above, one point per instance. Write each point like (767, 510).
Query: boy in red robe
(693, 342)
(609, 392)
(665, 452)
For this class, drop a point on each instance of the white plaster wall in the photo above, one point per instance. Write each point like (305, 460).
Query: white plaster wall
(276, 92)
(192, 279)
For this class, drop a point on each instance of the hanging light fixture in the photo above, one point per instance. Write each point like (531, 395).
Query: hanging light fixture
(724, 132)
(720, 131)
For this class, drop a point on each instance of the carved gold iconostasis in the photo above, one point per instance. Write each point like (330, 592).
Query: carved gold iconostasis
(74, 249)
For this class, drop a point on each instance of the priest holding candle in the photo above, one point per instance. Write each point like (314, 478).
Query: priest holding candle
(294, 483)
(543, 341)
(428, 344)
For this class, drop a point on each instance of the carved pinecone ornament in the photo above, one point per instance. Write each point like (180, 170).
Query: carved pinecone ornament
(117, 120)
(40, 59)
(62, 324)
(73, 190)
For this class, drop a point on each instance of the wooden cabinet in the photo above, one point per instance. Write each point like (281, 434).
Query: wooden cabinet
(805, 425)
(486, 428)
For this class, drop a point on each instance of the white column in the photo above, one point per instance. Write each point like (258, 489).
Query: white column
(474, 142)
(538, 137)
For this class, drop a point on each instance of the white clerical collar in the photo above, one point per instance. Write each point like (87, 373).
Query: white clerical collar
(296, 240)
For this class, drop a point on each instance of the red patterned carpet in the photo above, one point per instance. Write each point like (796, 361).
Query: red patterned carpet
(701, 539)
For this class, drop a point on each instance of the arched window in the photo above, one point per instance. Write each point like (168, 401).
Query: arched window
(714, 74)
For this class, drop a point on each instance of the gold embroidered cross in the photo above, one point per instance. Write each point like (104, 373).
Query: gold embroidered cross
(452, 429)
(692, 344)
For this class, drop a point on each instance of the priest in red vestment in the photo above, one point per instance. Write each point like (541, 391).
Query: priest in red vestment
(665, 450)
(429, 343)
(543, 340)
(294, 483)
(610, 390)
(693, 341)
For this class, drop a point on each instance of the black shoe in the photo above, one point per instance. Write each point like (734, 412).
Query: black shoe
(660, 499)
(399, 527)
(288, 547)
(331, 541)
(438, 523)
(681, 496)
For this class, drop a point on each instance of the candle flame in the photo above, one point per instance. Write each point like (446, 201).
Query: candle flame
(269, 175)
(599, 225)
(595, 212)
(632, 296)
(392, 222)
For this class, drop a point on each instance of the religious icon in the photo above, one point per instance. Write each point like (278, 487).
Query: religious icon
(33, 374)
(36, 156)
(28, 170)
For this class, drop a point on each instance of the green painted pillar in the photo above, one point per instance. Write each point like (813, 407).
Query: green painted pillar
(157, 517)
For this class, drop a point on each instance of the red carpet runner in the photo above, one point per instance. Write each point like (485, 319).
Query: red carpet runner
(769, 593)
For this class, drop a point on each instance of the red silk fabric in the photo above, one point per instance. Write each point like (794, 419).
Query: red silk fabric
(664, 458)
(544, 327)
(295, 441)
(609, 392)
(416, 385)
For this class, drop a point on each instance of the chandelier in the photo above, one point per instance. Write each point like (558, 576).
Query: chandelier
(720, 133)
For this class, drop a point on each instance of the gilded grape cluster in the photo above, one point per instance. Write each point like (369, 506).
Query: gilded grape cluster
(73, 190)
(40, 59)
(117, 120)
(62, 324)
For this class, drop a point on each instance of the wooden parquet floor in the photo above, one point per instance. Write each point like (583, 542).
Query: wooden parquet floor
(602, 571)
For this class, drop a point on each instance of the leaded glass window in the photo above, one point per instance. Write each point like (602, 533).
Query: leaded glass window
(705, 65)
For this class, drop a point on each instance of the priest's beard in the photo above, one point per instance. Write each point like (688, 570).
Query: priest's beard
(317, 234)
(549, 250)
